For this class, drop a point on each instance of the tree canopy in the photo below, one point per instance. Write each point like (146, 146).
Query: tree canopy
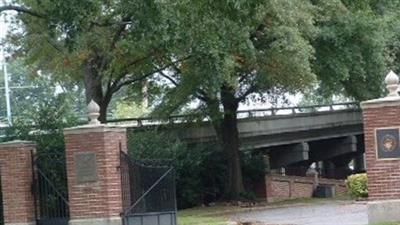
(106, 44)
(242, 48)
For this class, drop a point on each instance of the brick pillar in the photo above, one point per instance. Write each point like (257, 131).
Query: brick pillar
(268, 188)
(94, 179)
(16, 181)
(382, 149)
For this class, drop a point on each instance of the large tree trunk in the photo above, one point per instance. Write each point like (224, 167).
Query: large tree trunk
(94, 90)
(229, 136)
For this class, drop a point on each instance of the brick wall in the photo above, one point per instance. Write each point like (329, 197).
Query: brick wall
(383, 175)
(101, 199)
(280, 187)
(16, 181)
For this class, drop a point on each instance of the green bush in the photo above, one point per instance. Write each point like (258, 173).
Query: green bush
(44, 125)
(200, 171)
(357, 185)
(200, 168)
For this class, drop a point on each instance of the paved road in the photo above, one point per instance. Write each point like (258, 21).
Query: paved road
(335, 213)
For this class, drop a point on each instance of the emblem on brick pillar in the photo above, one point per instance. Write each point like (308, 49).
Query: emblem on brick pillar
(387, 146)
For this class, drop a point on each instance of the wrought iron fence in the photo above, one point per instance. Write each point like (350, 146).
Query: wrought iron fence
(148, 192)
(50, 189)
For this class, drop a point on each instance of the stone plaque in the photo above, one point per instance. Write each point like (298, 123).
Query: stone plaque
(387, 143)
(86, 167)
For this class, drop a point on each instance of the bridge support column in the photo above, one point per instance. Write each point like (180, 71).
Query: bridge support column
(93, 170)
(359, 158)
(285, 155)
(359, 163)
(332, 148)
(382, 148)
(328, 169)
(267, 164)
(342, 167)
(16, 181)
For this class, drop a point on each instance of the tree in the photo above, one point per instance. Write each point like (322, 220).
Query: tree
(239, 48)
(106, 44)
(243, 48)
(353, 48)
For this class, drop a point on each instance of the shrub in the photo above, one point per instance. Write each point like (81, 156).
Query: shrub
(199, 169)
(357, 185)
(44, 125)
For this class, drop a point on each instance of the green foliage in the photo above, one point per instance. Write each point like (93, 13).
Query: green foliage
(253, 168)
(44, 125)
(244, 47)
(200, 168)
(32, 91)
(199, 171)
(235, 49)
(357, 185)
(106, 46)
(125, 109)
(351, 50)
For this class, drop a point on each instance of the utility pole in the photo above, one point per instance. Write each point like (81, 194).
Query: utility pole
(7, 94)
(7, 90)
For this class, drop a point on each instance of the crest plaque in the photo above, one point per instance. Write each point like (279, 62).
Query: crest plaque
(387, 143)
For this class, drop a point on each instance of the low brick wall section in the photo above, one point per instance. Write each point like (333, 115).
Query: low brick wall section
(280, 187)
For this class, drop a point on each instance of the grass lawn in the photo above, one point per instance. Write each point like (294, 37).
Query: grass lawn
(203, 216)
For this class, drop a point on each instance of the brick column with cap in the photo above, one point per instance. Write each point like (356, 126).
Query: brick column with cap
(94, 179)
(382, 147)
(16, 181)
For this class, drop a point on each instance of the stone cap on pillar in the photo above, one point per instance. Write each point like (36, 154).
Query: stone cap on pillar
(94, 125)
(17, 143)
(93, 111)
(392, 99)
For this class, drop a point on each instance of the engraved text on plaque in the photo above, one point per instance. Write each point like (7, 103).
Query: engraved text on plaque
(86, 167)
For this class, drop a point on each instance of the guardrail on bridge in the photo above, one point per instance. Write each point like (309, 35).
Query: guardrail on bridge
(241, 114)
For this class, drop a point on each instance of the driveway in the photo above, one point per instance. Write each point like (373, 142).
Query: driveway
(334, 213)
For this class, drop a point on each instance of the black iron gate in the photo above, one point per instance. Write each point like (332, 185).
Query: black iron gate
(50, 189)
(148, 192)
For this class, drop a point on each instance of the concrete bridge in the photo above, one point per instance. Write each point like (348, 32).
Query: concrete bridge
(291, 137)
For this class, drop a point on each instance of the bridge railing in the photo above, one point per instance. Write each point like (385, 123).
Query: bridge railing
(296, 110)
(241, 114)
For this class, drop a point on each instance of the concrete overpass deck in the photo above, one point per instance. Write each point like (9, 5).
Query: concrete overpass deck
(289, 136)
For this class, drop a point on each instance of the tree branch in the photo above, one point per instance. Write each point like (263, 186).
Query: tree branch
(21, 9)
(243, 77)
(116, 86)
(119, 32)
(202, 95)
(174, 82)
(138, 60)
(108, 24)
(246, 93)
